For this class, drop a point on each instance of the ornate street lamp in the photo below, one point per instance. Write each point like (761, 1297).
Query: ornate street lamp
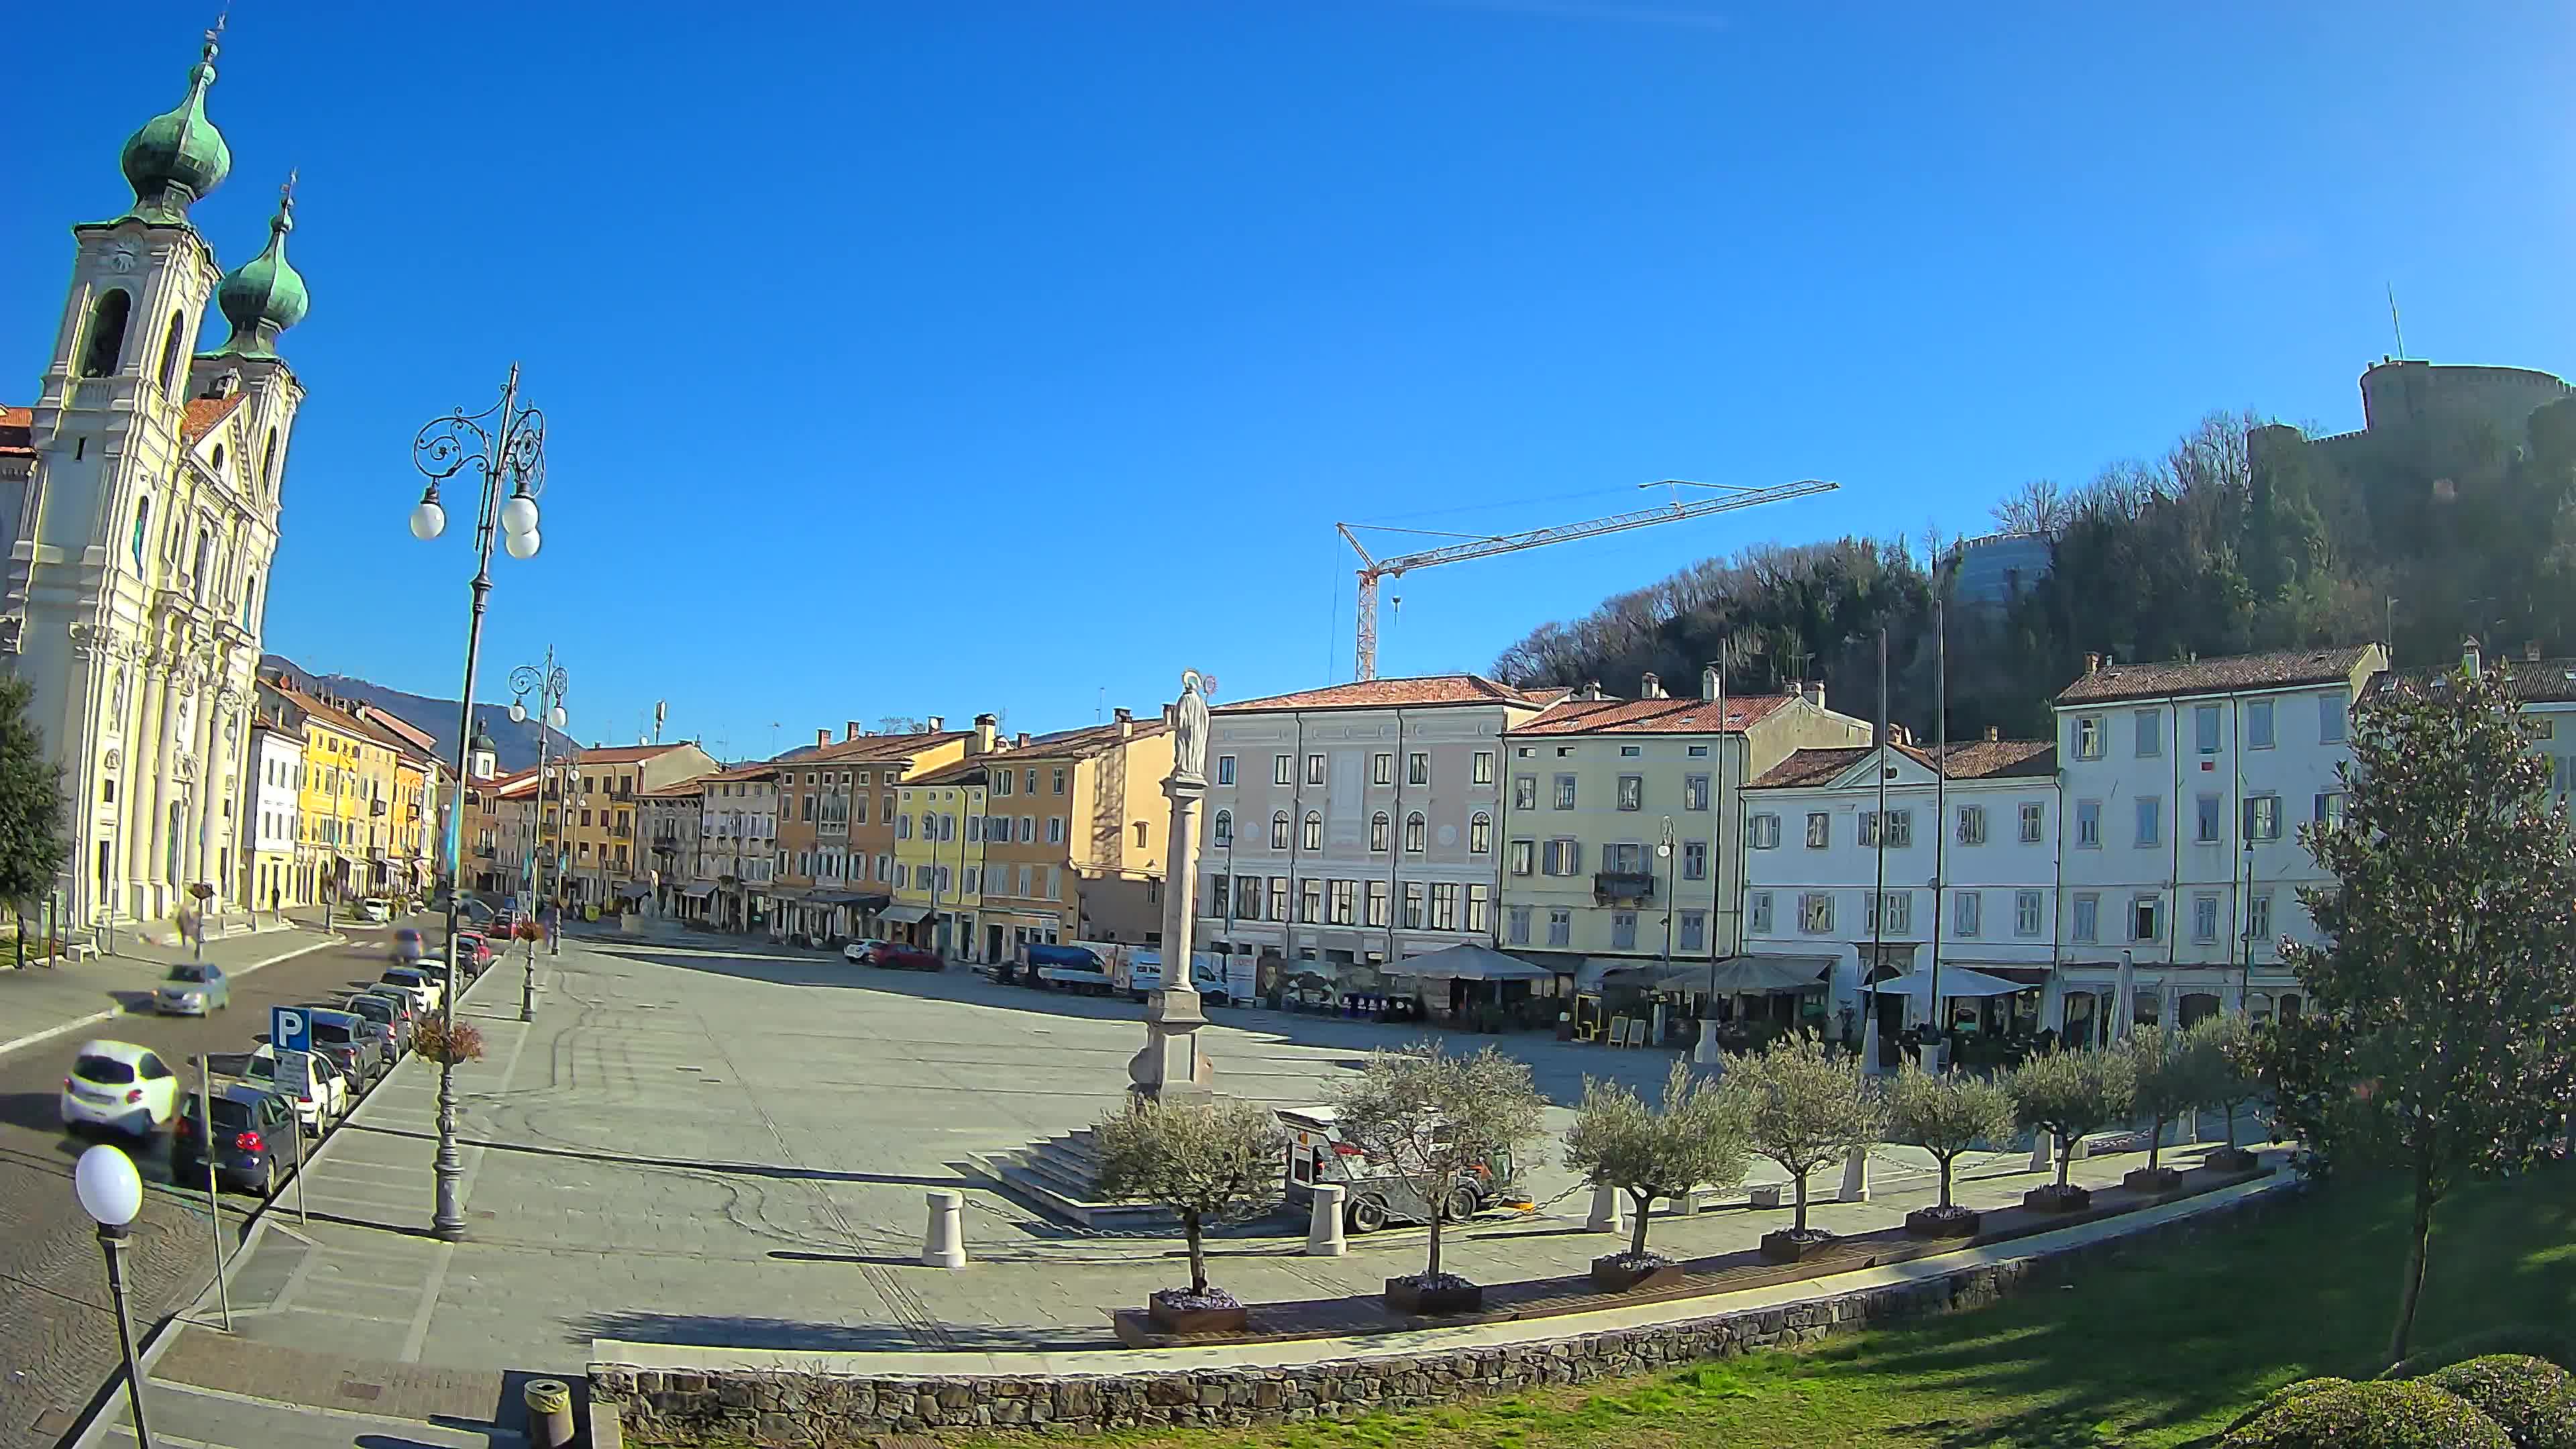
(548, 683)
(506, 444)
(111, 1192)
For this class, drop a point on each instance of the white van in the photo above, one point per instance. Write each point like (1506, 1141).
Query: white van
(1145, 975)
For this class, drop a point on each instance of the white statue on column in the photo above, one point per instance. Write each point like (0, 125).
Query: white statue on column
(1172, 1067)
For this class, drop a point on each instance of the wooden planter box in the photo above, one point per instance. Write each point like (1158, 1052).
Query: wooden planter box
(2053, 1199)
(1783, 1247)
(2231, 1159)
(1196, 1320)
(2151, 1180)
(1405, 1296)
(1932, 1223)
(1611, 1275)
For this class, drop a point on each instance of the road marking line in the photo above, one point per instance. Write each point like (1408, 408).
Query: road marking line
(429, 1292)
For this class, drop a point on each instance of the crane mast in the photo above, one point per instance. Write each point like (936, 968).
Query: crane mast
(1374, 570)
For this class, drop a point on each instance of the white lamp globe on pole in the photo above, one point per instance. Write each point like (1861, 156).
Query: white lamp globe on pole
(519, 515)
(428, 520)
(521, 545)
(109, 1188)
(558, 717)
(518, 711)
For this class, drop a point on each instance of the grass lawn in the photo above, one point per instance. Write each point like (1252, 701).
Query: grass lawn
(2157, 1350)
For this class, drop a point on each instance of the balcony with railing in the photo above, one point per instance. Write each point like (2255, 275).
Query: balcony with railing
(1633, 886)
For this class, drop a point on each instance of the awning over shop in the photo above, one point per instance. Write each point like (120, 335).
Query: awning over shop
(1470, 962)
(785, 898)
(633, 889)
(904, 915)
(1752, 975)
(845, 898)
(1955, 981)
(699, 893)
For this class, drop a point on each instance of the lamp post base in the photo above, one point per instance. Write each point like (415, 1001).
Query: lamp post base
(447, 1221)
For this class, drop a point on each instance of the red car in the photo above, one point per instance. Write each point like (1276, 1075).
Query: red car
(894, 955)
(473, 952)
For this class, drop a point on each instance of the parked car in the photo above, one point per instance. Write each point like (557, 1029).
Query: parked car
(375, 910)
(1374, 1193)
(316, 1109)
(407, 947)
(474, 953)
(862, 952)
(248, 1124)
(120, 1085)
(193, 988)
(391, 1021)
(357, 1044)
(407, 1012)
(423, 979)
(896, 956)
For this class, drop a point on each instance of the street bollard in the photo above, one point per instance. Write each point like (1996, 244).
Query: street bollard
(1324, 1229)
(1855, 1176)
(1609, 1211)
(2043, 1150)
(944, 1246)
(549, 1413)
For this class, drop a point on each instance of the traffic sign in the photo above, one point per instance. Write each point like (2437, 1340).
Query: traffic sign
(289, 1029)
(295, 1073)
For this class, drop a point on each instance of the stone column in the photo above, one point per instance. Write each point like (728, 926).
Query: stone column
(1171, 1067)
(136, 781)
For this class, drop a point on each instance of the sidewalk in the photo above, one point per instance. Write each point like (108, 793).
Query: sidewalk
(42, 1002)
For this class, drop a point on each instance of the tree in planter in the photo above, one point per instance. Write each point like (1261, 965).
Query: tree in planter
(1617, 1141)
(2168, 1081)
(1946, 1115)
(2440, 1037)
(1206, 1161)
(2066, 1094)
(2225, 1050)
(33, 842)
(1433, 1119)
(1804, 1105)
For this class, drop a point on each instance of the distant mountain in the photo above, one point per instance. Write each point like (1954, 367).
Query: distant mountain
(515, 745)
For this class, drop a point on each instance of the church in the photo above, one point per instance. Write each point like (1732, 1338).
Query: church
(139, 498)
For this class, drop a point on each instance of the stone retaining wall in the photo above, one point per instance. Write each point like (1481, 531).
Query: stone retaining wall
(776, 1407)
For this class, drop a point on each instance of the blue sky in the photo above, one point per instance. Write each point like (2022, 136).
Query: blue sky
(940, 358)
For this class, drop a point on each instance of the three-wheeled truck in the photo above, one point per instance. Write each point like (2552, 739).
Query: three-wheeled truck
(1374, 1193)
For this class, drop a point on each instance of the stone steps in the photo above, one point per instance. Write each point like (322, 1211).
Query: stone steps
(1061, 1177)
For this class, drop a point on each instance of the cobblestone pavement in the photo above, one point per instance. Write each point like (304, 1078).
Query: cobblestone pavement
(57, 1330)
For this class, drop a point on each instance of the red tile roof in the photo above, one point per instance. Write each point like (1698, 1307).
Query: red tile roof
(205, 414)
(870, 748)
(2532, 681)
(1652, 716)
(18, 431)
(1083, 743)
(688, 789)
(626, 754)
(1425, 690)
(2281, 669)
(1969, 760)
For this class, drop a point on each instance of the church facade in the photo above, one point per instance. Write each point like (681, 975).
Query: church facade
(140, 514)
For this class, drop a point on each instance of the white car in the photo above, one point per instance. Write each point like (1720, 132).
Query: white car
(329, 1100)
(118, 1084)
(423, 980)
(860, 953)
(375, 910)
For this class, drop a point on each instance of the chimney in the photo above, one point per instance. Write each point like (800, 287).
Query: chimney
(2092, 665)
(984, 728)
(850, 730)
(1591, 690)
(2472, 659)
(1126, 723)
(935, 724)
(2531, 651)
(1708, 682)
(1020, 741)
(1993, 733)
(1814, 693)
(822, 737)
(1650, 687)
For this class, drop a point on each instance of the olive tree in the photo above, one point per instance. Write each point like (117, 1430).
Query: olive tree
(2168, 1081)
(2440, 1036)
(2065, 1094)
(1618, 1141)
(1206, 1161)
(1433, 1119)
(1804, 1105)
(2224, 1052)
(1946, 1115)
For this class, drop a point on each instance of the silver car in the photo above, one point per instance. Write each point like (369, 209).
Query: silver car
(193, 988)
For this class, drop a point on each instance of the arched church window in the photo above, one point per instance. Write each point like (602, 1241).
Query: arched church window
(106, 345)
(250, 599)
(142, 528)
(203, 573)
(219, 458)
(268, 463)
(171, 356)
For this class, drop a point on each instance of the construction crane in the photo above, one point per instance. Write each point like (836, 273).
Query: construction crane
(1374, 569)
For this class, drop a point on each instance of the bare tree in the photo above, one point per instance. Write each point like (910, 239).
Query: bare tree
(2038, 506)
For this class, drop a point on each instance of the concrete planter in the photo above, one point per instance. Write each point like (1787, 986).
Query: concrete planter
(1407, 1296)
(2230, 1159)
(1614, 1273)
(1936, 1223)
(2151, 1179)
(1196, 1320)
(2055, 1199)
(1785, 1246)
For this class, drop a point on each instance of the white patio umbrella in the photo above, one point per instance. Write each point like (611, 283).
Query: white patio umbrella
(1955, 981)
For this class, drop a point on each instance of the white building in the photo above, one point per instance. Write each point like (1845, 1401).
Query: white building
(737, 850)
(139, 502)
(2184, 787)
(1818, 852)
(1341, 823)
(274, 822)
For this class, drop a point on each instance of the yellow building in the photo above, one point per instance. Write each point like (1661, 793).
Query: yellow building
(1075, 839)
(939, 852)
(610, 862)
(835, 847)
(348, 779)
